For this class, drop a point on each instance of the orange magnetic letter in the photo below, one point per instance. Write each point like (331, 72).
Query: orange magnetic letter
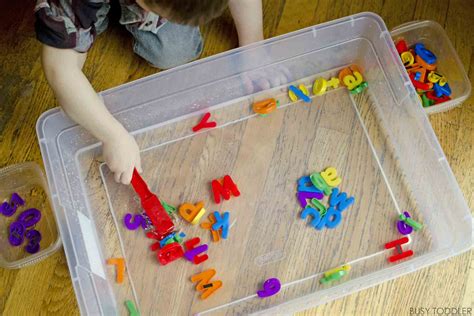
(120, 263)
(204, 286)
(189, 211)
(215, 233)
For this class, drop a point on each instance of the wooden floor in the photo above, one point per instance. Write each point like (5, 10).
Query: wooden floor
(45, 288)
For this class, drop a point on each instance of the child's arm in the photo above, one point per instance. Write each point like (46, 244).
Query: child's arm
(247, 16)
(63, 70)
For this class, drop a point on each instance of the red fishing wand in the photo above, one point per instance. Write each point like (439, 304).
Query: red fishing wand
(153, 208)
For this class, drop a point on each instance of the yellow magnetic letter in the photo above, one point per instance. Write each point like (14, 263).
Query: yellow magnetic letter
(330, 176)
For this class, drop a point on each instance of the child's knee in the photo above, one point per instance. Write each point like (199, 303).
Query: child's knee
(170, 56)
(174, 45)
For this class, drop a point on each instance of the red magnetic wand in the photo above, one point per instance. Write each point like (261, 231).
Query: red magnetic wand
(152, 206)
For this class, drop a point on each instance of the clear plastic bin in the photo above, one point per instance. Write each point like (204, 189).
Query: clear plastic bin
(380, 141)
(435, 39)
(28, 180)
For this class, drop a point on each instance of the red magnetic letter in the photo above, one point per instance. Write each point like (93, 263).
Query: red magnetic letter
(204, 123)
(170, 253)
(225, 189)
(397, 245)
(192, 252)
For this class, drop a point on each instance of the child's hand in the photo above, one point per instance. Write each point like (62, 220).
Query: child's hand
(122, 155)
(256, 81)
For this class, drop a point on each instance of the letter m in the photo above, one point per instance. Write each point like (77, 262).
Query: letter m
(225, 189)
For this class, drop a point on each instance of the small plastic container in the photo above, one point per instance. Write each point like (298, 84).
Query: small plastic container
(28, 180)
(436, 40)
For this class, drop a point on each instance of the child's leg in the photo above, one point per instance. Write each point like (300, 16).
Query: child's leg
(171, 46)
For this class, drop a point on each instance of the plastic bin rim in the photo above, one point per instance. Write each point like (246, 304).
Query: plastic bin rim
(367, 14)
(350, 18)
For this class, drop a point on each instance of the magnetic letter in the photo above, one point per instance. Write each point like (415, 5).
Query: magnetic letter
(330, 177)
(319, 183)
(225, 189)
(398, 244)
(315, 214)
(203, 278)
(190, 212)
(340, 201)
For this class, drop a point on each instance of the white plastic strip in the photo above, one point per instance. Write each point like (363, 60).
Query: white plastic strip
(91, 245)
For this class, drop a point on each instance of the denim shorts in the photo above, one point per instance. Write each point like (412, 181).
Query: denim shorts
(172, 45)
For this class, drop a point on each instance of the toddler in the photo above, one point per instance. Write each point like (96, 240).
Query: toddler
(166, 34)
